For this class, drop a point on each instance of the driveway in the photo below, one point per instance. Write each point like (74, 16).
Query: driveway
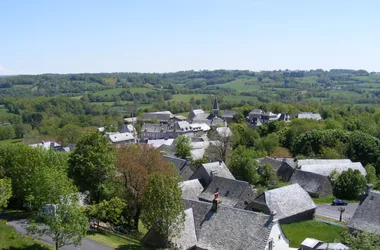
(87, 244)
(332, 212)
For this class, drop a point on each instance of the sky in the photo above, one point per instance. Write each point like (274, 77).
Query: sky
(77, 36)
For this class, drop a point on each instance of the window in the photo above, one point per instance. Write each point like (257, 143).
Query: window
(270, 245)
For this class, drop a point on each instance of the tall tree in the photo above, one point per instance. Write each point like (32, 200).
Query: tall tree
(70, 133)
(243, 164)
(182, 147)
(5, 192)
(163, 206)
(65, 222)
(92, 163)
(136, 163)
(349, 184)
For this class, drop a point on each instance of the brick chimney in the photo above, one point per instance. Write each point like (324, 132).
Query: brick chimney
(215, 202)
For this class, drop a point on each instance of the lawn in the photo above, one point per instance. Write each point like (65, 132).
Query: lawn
(125, 242)
(116, 91)
(10, 141)
(186, 98)
(298, 232)
(10, 239)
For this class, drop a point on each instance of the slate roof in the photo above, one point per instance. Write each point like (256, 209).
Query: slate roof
(163, 116)
(155, 128)
(191, 189)
(277, 162)
(288, 201)
(232, 192)
(332, 246)
(197, 111)
(228, 114)
(229, 228)
(311, 182)
(200, 126)
(187, 238)
(309, 115)
(200, 117)
(179, 163)
(322, 161)
(159, 142)
(367, 215)
(326, 169)
(218, 169)
(216, 105)
(120, 137)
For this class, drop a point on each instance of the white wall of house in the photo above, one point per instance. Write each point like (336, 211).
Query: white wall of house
(280, 242)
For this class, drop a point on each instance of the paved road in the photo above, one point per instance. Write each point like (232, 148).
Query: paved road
(87, 244)
(332, 212)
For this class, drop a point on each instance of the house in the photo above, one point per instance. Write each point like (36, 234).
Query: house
(207, 171)
(184, 167)
(309, 115)
(367, 215)
(314, 244)
(216, 227)
(258, 117)
(198, 147)
(127, 128)
(326, 166)
(284, 167)
(157, 131)
(315, 184)
(289, 204)
(191, 189)
(53, 145)
(121, 138)
(196, 127)
(232, 192)
(213, 120)
(228, 115)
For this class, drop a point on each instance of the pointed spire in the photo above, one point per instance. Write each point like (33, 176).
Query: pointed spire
(216, 104)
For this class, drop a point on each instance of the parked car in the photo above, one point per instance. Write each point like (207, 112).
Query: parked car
(338, 202)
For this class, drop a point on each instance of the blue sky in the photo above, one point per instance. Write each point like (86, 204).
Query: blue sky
(75, 36)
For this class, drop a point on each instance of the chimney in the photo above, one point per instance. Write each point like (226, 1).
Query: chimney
(272, 215)
(220, 162)
(215, 202)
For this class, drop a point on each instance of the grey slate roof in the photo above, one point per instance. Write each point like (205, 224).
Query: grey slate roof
(228, 114)
(200, 117)
(232, 192)
(332, 246)
(311, 182)
(156, 128)
(216, 105)
(367, 215)
(179, 163)
(187, 238)
(160, 116)
(218, 169)
(229, 228)
(191, 189)
(331, 165)
(309, 115)
(275, 163)
(288, 201)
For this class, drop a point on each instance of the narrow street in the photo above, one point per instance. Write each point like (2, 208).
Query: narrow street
(87, 244)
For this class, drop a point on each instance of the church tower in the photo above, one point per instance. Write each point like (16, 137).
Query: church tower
(215, 109)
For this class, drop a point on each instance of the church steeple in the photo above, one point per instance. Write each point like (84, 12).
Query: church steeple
(215, 109)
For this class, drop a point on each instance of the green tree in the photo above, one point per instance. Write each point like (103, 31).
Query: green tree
(243, 164)
(7, 132)
(361, 240)
(182, 147)
(267, 176)
(5, 192)
(70, 133)
(163, 206)
(108, 210)
(238, 118)
(92, 163)
(270, 143)
(349, 184)
(371, 175)
(65, 222)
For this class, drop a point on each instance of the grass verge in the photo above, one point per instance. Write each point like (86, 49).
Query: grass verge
(329, 199)
(10, 239)
(298, 232)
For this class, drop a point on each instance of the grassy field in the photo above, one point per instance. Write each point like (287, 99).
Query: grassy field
(298, 232)
(121, 243)
(10, 239)
(3, 110)
(10, 141)
(117, 91)
(186, 98)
